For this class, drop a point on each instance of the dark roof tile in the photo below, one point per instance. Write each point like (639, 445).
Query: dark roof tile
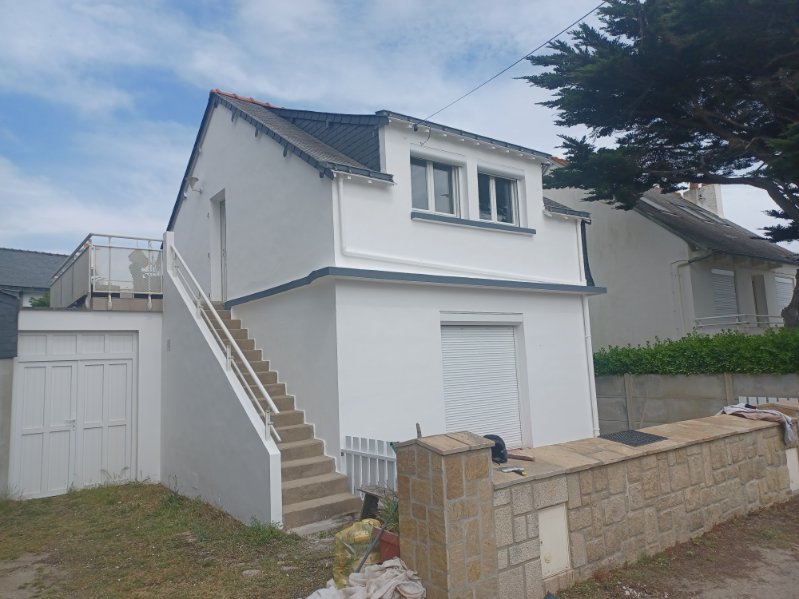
(23, 269)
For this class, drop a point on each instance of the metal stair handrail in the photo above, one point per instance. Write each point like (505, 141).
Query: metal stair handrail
(204, 307)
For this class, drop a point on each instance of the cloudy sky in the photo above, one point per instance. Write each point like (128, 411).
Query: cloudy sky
(100, 100)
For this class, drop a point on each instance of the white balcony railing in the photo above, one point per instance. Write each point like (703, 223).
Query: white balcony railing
(738, 321)
(110, 266)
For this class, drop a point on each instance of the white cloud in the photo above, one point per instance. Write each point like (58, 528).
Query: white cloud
(121, 181)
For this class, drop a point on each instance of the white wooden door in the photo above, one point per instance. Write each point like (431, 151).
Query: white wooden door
(481, 388)
(72, 412)
(46, 438)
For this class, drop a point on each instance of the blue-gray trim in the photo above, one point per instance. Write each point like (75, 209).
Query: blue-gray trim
(589, 279)
(413, 277)
(479, 224)
(462, 133)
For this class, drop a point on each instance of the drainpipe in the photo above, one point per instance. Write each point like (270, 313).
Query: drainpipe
(585, 276)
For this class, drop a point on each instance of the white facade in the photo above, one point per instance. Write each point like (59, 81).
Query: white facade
(345, 286)
(660, 286)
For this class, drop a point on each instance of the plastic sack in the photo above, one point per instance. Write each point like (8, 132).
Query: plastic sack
(351, 546)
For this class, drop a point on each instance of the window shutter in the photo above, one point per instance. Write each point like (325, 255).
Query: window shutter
(784, 292)
(725, 302)
(481, 390)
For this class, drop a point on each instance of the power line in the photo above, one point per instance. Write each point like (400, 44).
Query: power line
(525, 57)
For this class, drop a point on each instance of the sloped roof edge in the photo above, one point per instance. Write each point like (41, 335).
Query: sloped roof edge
(462, 133)
(723, 236)
(326, 168)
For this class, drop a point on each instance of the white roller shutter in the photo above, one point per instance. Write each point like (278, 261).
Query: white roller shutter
(725, 301)
(481, 389)
(784, 292)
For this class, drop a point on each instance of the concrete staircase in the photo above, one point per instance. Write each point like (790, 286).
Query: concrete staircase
(313, 491)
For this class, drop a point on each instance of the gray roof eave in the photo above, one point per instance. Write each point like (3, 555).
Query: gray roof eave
(706, 247)
(462, 133)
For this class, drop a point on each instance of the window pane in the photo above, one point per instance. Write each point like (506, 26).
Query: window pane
(504, 191)
(442, 187)
(484, 193)
(419, 183)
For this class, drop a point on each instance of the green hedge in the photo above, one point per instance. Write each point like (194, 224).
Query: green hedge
(775, 351)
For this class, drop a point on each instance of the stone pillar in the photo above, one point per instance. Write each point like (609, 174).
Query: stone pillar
(446, 514)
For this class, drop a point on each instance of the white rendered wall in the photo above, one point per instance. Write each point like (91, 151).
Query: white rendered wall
(375, 229)
(210, 447)
(279, 211)
(296, 332)
(640, 264)
(6, 380)
(390, 364)
(148, 381)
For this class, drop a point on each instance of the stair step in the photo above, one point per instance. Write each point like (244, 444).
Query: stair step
(223, 314)
(295, 432)
(313, 487)
(257, 365)
(266, 378)
(322, 508)
(252, 355)
(282, 402)
(300, 450)
(288, 418)
(246, 344)
(296, 469)
(230, 323)
(275, 388)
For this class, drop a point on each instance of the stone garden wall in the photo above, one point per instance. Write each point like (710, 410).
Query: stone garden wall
(581, 506)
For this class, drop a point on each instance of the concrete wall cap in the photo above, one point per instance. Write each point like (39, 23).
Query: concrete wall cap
(450, 443)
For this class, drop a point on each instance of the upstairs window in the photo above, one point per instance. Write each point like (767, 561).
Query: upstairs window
(433, 186)
(498, 199)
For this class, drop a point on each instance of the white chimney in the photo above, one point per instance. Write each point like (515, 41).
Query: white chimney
(706, 196)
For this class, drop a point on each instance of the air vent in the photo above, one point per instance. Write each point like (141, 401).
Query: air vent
(633, 438)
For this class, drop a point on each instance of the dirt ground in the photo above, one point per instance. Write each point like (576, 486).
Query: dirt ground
(754, 557)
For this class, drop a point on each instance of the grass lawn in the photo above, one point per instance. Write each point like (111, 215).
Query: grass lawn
(141, 540)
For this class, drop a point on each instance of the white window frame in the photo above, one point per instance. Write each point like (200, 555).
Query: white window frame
(431, 193)
(492, 190)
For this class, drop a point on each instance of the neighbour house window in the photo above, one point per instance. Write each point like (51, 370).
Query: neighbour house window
(433, 186)
(498, 199)
(725, 300)
(784, 292)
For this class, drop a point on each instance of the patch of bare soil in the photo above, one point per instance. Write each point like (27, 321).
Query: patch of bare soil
(756, 556)
(27, 576)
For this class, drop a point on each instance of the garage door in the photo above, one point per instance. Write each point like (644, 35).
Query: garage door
(481, 389)
(72, 411)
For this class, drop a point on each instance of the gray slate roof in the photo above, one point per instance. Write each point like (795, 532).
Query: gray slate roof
(707, 231)
(328, 141)
(25, 270)
(309, 147)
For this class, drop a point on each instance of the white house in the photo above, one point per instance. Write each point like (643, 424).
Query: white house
(674, 265)
(332, 276)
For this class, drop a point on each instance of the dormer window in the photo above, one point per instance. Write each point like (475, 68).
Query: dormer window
(433, 186)
(498, 199)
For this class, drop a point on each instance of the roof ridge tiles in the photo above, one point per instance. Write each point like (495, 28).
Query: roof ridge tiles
(216, 90)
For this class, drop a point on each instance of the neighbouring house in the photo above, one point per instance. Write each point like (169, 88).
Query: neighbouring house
(674, 264)
(328, 278)
(27, 274)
